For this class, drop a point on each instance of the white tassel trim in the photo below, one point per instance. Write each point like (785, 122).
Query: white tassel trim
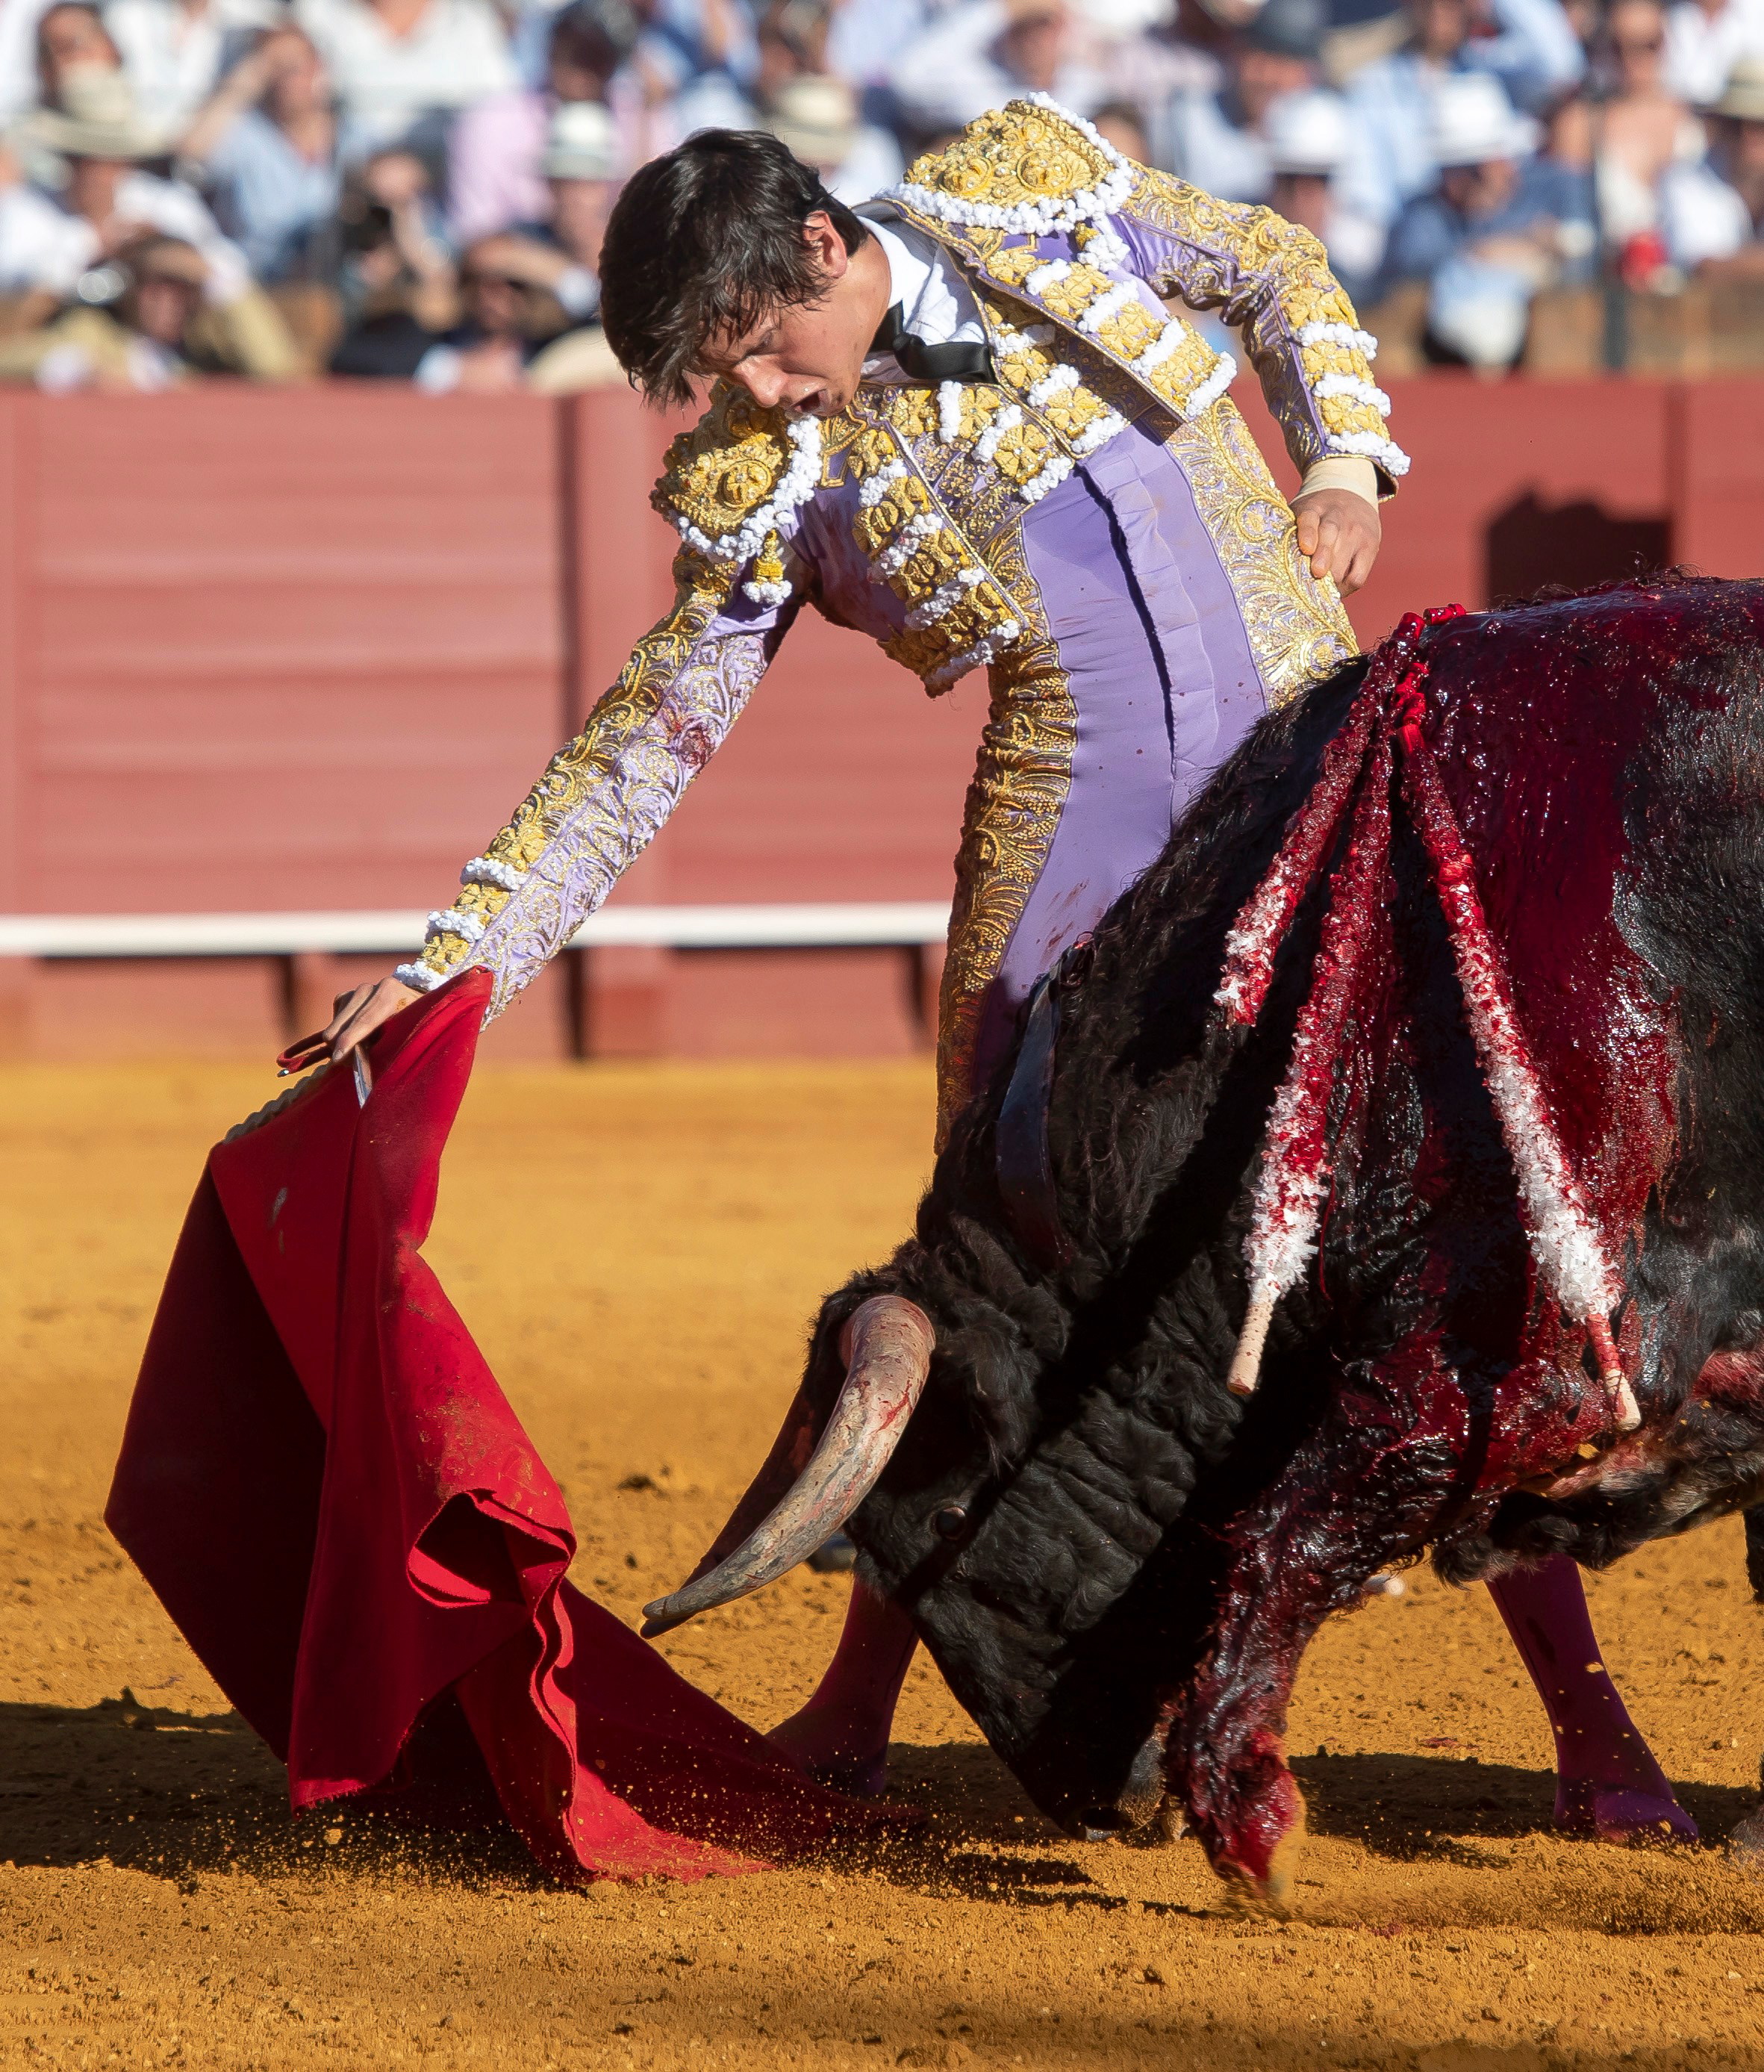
(1050, 385)
(1338, 334)
(981, 654)
(949, 412)
(1371, 446)
(451, 922)
(945, 599)
(1351, 385)
(1098, 433)
(895, 556)
(1106, 305)
(1006, 420)
(768, 593)
(420, 978)
(488, 870)
(1161, 347)
(875, 487)
(1050, 476)
(1205, 394)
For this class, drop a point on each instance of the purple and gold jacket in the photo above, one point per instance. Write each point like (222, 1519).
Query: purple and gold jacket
(1096, 527)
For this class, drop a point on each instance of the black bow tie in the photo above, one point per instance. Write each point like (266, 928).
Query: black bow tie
(969, 360)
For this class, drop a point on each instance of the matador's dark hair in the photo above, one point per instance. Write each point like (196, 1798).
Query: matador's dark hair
(700, 244)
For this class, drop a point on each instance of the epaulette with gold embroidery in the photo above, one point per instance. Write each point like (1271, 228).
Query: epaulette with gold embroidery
(733, 481)
(1030, 165)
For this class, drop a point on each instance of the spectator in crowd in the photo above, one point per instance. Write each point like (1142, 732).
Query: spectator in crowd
(1182, 50)
(508, 316)
(1120, 123)
(1704, 41)
(693, 68)
(266, 147)
(72, 41)
(1736, 155)
(50, 241)
(1218, 139)
(146, 319)
(983, 52)
(560, 252)
(494, 174)
(1662, 210)
(1500, 224)
(817, 117)
(395, 261)
(1308, 142)
(402, 68)
(1532, 52)
(175, 51)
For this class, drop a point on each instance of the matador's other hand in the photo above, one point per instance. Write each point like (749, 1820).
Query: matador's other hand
(1338, 533)
(357, 1015)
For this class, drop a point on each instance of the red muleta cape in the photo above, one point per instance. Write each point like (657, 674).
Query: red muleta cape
(329, 1493)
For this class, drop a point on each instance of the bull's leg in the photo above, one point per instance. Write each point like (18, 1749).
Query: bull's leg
(841, 1735)
(1367, 1488)
(1607, 1782)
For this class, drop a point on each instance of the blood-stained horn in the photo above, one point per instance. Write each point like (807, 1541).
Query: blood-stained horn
(887, 1345)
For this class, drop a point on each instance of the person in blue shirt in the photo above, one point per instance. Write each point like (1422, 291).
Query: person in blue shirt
(1500, 224)
(1528, 46)
(265, 147)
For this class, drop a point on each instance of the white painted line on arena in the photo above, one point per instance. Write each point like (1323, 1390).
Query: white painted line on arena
(828, 926)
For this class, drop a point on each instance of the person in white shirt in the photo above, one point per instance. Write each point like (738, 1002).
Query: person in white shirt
(1533, 52)
(393, 62)
(49, 240)
(1704, 41)
(982, 53)
(1217, 138)
(175, 50)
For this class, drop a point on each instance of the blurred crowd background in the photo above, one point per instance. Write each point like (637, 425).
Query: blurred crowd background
(415, 190)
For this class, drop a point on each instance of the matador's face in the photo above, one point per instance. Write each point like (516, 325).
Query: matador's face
(810, 357)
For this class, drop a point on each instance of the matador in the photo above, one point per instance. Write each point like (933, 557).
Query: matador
(965, 419)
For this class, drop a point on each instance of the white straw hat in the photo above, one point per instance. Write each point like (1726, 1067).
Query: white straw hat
(1306, 131)
(581, 143)
(816, 118)
(1474, 122)
(97, 119)
(1742, 97)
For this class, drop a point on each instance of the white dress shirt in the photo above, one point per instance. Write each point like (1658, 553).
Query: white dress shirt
(937, 304)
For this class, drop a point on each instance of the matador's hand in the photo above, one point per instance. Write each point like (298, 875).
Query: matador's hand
(1339, 533)
(357, 1015)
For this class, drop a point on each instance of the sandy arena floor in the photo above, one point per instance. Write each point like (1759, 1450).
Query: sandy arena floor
(637, 1249)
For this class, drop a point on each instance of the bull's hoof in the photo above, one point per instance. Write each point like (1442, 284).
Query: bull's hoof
(1615, 1815)
(1745, 1844)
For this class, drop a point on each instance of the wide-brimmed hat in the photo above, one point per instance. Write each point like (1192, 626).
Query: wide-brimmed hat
(97, 119)
(1474, 122)
(816, 118)
(1742, 97)
(581, 143)
(1305, 132)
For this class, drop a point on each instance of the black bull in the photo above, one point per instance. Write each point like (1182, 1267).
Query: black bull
(1116, 1563)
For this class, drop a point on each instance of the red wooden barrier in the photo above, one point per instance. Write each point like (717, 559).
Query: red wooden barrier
(307, 650)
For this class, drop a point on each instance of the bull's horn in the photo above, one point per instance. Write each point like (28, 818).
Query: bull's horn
(886, 1346)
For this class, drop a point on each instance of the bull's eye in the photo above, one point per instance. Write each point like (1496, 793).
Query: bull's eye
(950, 1522)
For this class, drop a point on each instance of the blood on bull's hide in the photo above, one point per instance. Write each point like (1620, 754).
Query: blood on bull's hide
(1116, 1563)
